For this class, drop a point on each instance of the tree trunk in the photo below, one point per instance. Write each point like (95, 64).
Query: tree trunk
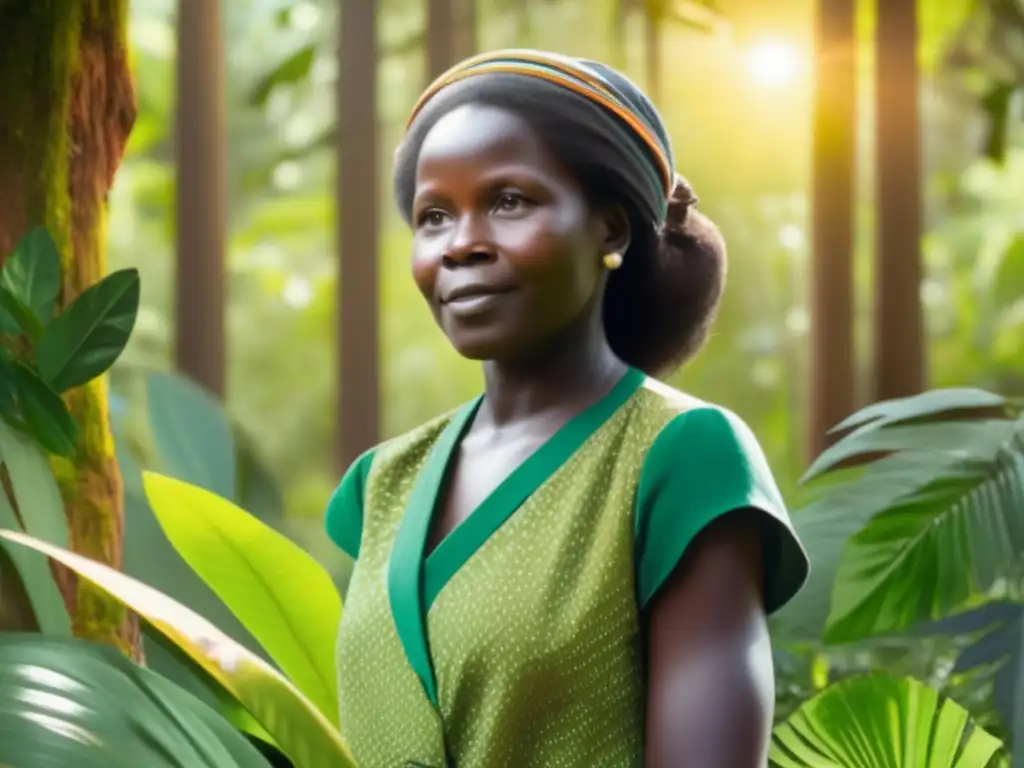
(899, 332)
(655, 12)
(200, 154)
(465, 30)
(69, 106)
(831, 392)
(358, 412)
(451, 34)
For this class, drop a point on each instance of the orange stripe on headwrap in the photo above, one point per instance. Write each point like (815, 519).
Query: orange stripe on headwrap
(562, 71)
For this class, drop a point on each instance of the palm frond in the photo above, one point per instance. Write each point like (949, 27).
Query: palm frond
(875, 721)
(940, 543)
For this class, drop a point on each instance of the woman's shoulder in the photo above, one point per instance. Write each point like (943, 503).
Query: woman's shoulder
(406, 447)
(389, 464)
(673, 410)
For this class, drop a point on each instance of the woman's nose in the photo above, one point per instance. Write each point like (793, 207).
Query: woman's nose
(470, 241)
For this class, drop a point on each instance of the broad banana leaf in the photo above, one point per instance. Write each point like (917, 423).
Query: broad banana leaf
(67, 702)
(279, 593)
(875, 721)
(297, 727)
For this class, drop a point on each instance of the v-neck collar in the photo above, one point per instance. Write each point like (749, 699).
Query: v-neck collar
(414, 582)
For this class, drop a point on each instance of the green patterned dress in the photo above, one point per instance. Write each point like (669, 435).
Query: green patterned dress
(517, 641)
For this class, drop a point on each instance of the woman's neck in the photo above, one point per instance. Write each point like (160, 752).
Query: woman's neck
(571, 374)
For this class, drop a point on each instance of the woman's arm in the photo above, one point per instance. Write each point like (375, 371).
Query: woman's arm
(710, 679)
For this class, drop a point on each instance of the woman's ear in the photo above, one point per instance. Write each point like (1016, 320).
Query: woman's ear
(616, 229)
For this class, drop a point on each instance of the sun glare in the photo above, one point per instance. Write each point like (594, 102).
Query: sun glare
(773, 63)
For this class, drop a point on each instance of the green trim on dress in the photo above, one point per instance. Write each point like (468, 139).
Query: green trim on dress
(413, 584)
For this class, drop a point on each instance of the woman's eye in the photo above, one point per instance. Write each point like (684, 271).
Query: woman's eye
(509, 201)
(432, 218)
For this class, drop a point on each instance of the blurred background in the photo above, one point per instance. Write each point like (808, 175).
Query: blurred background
(776, 133)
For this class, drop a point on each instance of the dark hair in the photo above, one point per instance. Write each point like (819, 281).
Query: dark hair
(659, 305)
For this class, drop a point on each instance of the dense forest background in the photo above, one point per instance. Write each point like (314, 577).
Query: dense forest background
(735, 90)
(244, 272)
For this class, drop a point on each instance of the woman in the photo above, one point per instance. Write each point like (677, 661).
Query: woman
(574, 568)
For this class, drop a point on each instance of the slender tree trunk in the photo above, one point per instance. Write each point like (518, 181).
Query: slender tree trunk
(358, 412)
(831, 390)
(654, 16)
(899, 332)
(69, 106)
(201, 195)
(451, 34)
(465, 43)
(440, 36)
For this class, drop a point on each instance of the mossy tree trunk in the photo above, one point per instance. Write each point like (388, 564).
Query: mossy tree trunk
(69, 106)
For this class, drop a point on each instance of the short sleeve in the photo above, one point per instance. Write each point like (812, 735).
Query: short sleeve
(344, 518)
(705, 463)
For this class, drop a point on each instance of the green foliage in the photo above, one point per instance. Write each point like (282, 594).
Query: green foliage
(34, 491)
(280, 594)
(297, 727)
(184, 433)
(69, 702)
(995, 654)
(885, 723)
(50, 354)
(191, 434)
(41, 355)
(949, 521)
(916, 534)
(86, 339)
(32, 276)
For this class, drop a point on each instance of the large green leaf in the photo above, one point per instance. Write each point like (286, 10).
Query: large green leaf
(32, 273)
(36, 493)
(875, 721)
(88, 336)
(8, 325)
(828, 523)
(44, 412)
(296, 725)
(47, 604)
(162, 656)
(927, 404)
(66, 702)
(997, 652)
(281, 594)
(938, 437)
(150, 558)
(932, 549)
(17, 316)
(8, 394)
(192, 434)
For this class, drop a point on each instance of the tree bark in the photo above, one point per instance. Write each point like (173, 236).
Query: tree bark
(832, 387)
(200, 157)
(899, 369)
(69, 106)
(358, 412)
(451, 34)
(655, 12)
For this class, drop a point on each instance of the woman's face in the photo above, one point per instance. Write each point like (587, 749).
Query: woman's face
(506, 249)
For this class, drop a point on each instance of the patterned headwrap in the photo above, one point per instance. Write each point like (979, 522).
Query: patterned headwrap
(633, 116)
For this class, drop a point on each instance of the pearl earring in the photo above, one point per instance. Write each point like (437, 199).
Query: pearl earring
(613, 260)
